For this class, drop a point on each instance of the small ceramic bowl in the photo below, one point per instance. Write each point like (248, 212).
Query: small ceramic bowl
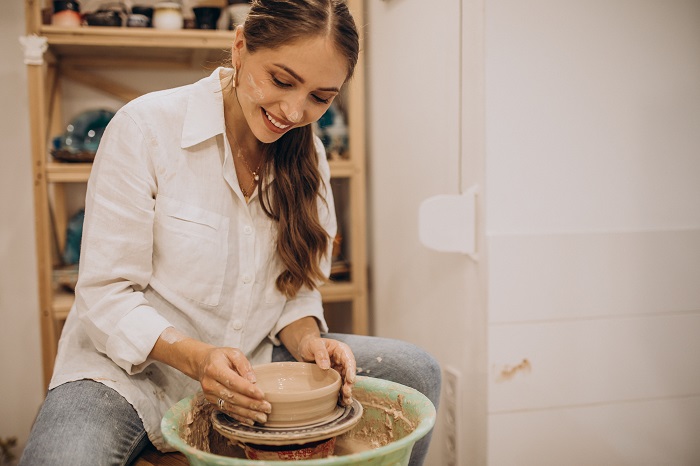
(206, 17)
(300, 393)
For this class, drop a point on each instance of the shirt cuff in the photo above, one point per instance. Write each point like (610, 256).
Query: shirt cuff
(134, 338)
(305, 304)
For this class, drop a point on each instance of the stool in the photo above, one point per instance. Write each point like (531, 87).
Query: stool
(152, 457)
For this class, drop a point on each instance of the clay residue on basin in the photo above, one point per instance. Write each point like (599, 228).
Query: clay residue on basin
(196, 430)
(384, 421)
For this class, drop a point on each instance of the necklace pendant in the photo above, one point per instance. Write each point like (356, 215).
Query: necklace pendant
(256, 176)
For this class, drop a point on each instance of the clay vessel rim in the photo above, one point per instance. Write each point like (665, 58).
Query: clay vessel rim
(293, 373)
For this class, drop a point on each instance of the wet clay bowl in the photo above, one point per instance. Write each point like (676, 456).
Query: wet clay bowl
(300, 393)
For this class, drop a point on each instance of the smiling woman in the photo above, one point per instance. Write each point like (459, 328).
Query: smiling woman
(286, 73)
(208, 225)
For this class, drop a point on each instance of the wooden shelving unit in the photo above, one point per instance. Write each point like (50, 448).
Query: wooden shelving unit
(72, 53)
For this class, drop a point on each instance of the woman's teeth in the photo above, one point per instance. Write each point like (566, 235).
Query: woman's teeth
(275, 122)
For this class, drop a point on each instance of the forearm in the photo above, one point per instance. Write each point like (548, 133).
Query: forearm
(180, 351)
(295, 333)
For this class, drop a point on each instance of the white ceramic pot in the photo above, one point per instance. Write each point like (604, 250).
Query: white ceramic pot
(167, 15)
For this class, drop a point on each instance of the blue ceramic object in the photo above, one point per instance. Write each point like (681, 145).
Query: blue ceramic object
(74, 234)
(84, 132)
(333, 131)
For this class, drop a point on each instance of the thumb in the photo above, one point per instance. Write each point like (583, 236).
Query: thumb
(320, 353)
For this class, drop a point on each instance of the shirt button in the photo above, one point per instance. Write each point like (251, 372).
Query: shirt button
(246, 278)
(248, 230)
(237, 324)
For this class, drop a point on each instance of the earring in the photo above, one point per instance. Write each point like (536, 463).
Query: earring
(235, 75)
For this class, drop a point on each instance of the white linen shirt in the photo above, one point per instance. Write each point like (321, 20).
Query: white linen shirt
(169, 240)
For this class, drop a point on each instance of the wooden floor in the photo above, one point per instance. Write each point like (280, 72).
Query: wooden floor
(152, 457)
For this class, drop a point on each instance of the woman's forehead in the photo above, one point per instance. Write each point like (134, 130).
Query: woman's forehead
(308, 60)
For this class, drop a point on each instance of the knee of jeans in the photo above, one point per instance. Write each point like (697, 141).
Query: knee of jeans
(426, 373)
(432, 377)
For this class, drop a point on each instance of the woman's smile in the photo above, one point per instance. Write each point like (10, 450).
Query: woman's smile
(275, 124)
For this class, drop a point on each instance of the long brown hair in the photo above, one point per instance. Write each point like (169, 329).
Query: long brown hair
(292, 197)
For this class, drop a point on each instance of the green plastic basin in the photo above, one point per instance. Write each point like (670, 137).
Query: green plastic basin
(395, 417)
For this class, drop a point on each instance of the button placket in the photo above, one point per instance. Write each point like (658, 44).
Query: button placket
(235, 327)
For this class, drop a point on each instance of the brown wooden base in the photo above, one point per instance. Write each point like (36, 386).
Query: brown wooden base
(152, 457)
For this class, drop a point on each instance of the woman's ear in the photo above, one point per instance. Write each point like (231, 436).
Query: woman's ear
(238, 46)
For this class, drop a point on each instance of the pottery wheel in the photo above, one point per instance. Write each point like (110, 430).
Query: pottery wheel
(342, 420)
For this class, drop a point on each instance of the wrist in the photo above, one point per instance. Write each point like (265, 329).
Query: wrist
(196, 354)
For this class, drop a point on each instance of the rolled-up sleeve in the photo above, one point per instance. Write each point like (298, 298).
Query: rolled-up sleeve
(117, 247)
(308, 303)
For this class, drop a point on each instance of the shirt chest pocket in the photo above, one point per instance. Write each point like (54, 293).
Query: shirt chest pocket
(190, 247)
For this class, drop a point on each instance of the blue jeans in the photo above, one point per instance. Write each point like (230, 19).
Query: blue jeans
(84, 423)
(87, 423)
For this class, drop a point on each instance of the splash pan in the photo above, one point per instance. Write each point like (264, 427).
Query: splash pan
(393, 419)
(344, 420)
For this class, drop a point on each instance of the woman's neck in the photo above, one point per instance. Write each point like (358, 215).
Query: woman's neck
(237, 127)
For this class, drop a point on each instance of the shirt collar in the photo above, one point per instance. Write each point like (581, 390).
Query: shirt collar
(204, 117)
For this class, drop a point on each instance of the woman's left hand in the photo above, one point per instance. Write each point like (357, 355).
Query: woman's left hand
(329, 353)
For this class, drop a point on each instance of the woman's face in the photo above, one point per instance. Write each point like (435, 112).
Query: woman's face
(287, 87)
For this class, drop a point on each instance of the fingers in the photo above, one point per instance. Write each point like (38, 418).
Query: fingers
(228, 376)
(329, 353)
(239, 406)
(241, 364)
(320, 352)
(344, 362)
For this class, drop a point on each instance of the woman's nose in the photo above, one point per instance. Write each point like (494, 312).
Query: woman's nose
(293, 109)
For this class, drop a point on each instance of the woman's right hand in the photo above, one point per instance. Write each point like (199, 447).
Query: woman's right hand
(226, 374)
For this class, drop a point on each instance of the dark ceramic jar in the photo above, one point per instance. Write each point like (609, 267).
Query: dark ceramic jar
(66, 13)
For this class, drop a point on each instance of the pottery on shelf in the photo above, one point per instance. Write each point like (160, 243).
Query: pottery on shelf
(82, 136)
(206, 17)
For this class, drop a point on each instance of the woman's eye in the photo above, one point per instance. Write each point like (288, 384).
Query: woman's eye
(320, 100)
(280, 83)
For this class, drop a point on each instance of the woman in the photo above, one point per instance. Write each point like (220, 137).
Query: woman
(209, 219)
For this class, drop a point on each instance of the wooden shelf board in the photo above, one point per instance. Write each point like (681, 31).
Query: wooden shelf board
(100, 36)
(62, 172)
(62, 302)
(338, 292)
(343, 168)
(139, 44)
(331, 293)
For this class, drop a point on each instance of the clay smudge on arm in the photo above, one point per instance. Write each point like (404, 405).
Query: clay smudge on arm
(171, 336)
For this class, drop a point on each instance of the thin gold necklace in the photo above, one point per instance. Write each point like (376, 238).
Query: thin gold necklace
(256, 176)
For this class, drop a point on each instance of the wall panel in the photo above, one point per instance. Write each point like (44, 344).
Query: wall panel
(570, 276)
(593, 361)
(649, 433)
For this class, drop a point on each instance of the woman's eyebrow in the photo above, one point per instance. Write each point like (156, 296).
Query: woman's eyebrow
(301, 80)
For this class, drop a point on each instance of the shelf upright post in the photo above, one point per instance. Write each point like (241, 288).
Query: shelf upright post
(34, 48)
(358, 208)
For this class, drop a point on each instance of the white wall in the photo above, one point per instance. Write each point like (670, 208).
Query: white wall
(432, 299)
(21, 388)
(593, 208)
(590, 205)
